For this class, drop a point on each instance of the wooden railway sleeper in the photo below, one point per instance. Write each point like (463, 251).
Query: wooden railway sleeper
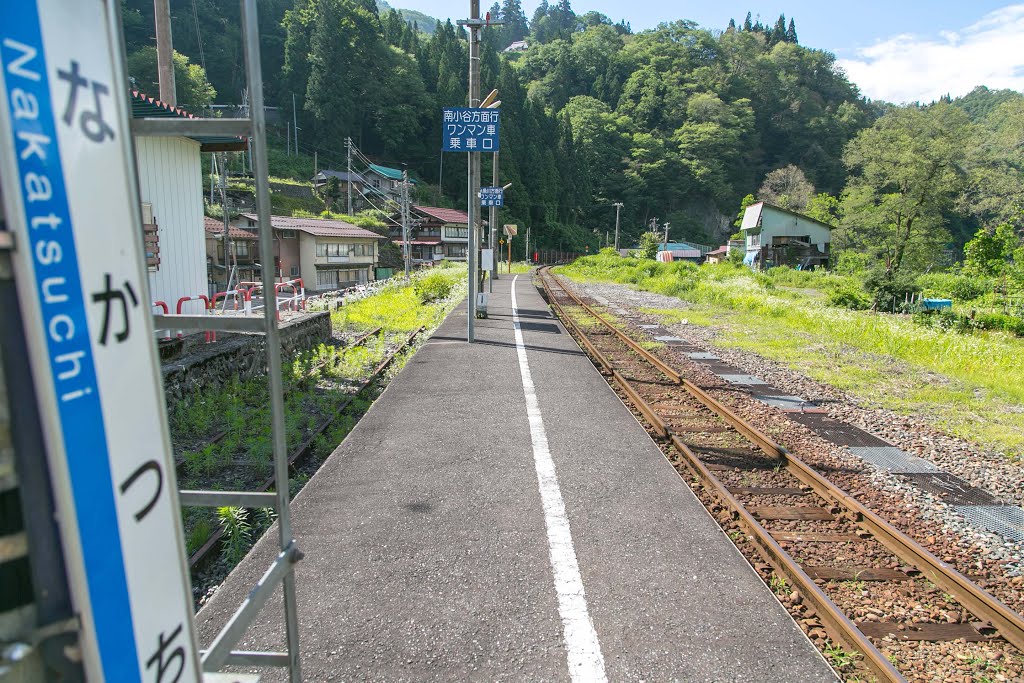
(1009, 624)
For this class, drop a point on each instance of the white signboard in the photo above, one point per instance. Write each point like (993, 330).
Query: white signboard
(486, 259)
(72, 202)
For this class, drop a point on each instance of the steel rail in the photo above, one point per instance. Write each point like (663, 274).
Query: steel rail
(1008, 623)
(763, 442)
(834, 620)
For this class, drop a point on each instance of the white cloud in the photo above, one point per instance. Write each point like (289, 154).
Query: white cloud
(909, 68)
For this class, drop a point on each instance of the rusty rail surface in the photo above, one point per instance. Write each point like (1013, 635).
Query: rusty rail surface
(1008, 623)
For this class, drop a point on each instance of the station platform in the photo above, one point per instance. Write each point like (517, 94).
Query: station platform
(499, 515)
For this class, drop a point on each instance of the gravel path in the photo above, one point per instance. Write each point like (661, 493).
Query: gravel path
(986, 470)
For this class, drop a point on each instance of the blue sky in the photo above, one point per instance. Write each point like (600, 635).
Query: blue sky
(898, 50)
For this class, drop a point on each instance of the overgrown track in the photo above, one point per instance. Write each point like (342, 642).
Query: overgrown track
(179, 459)
(208, 549)
(779, 500)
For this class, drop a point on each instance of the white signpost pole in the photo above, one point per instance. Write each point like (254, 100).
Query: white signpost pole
(71, 196)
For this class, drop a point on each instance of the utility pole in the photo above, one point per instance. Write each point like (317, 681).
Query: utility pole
(666, 235)
(405, 221)
(528, 257)
(618, 206)
(223, 185)
(164, 51)
(348, 154)
(295, 125)
(288, 138)
(474, 24)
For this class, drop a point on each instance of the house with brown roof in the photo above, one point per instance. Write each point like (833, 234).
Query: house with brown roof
(437, 233)
(326, 254)
(242, 253)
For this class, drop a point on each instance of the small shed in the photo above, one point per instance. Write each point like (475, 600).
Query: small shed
(775, 236)
(678, 251)
(718, 255)
(171, 189)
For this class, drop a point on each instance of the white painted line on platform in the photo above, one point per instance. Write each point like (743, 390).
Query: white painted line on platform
(586, 663)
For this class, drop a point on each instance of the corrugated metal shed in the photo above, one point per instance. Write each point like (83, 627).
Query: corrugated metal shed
(170, 179)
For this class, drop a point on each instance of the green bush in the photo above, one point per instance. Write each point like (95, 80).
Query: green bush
(433, 287)
(1000, 321)
(852, 263)
(890, 292)
(954, 285)
(850, 296)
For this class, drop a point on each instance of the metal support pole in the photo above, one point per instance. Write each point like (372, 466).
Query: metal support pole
(493, 220)
(474, 167)
(295, 125)
(222, 184)
(164, 51)
(406, 251)
(348, 154)
(273, 337)
(618, 206)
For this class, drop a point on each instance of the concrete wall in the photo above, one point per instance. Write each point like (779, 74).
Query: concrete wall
(170, 179)
(208, 366)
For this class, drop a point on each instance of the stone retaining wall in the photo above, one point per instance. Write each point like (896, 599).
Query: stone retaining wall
(239, 356)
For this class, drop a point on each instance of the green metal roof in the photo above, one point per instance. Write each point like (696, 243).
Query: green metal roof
(146, 107)
(390, 173)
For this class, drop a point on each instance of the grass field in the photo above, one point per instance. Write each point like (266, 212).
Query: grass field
(970, 385)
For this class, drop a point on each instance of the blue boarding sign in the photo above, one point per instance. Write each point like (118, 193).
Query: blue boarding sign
(492, 196)
(470, 130)
(71, 200)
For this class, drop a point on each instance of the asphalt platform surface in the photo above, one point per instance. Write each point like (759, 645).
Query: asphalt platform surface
(427, 549)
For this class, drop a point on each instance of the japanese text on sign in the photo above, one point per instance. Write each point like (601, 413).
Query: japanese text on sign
(65, 169)
(470, 130)
(492, 196)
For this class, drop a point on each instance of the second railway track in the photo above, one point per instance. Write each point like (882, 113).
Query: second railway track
(833, 555)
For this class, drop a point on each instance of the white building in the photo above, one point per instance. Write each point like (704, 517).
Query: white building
(171, 190)
(775, 236)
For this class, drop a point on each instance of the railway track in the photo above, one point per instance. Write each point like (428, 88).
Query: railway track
(825, 548)
(210, 548)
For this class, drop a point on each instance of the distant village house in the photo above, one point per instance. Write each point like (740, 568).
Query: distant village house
(779, 237)
(326, 254)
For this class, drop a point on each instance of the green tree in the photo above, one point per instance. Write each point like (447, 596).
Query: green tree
(993, 252)
(791, 33)
(649, 244)
(905, 177)
(516, 26)
(787, 187)
(823, 207)
(193, 90)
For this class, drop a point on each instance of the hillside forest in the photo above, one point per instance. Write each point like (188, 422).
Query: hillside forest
(682, 124)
